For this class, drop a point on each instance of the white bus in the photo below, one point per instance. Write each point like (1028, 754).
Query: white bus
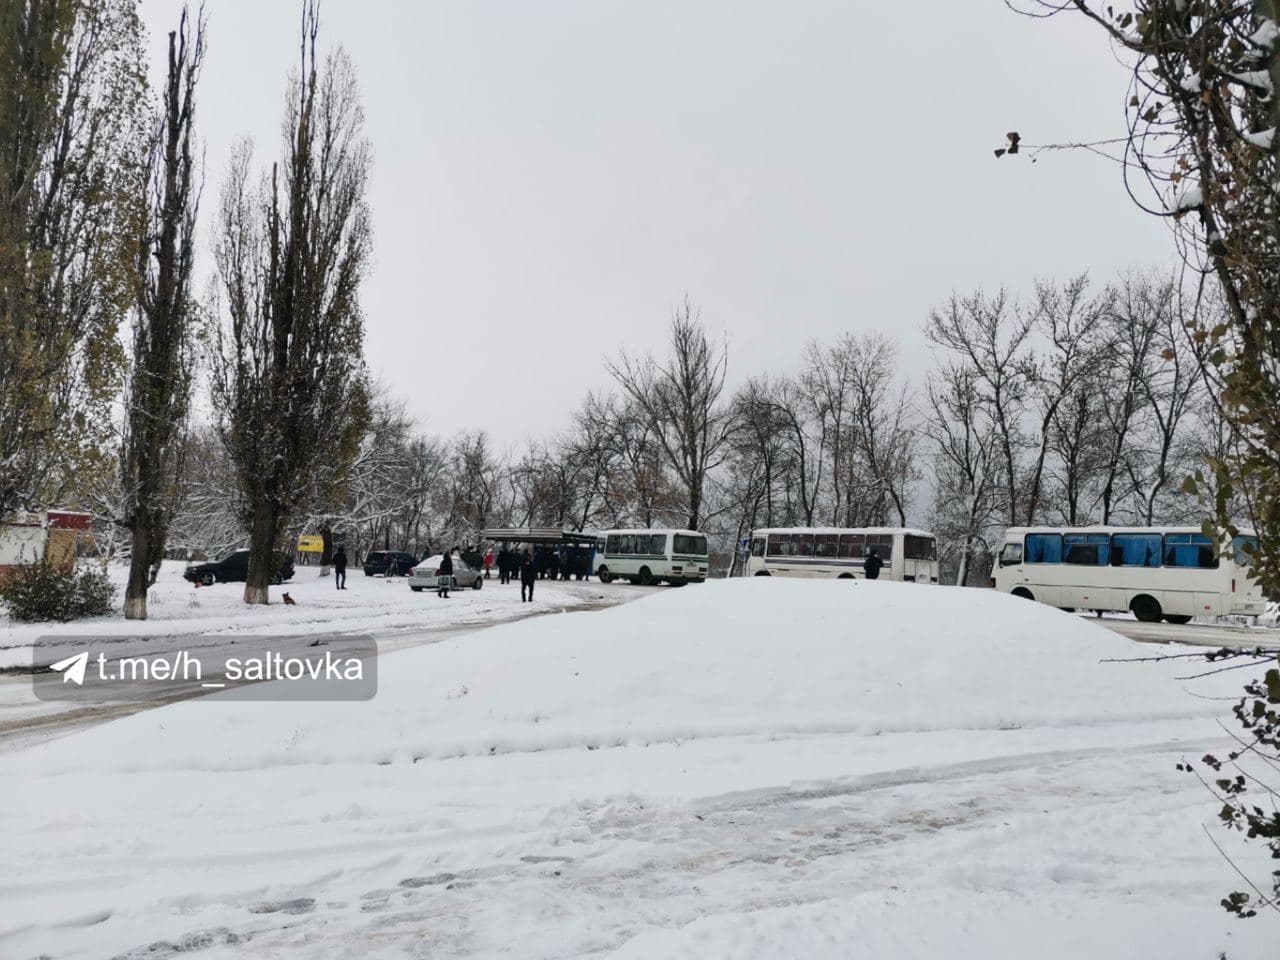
(840, 552)
(646, 556)
(1174, 573)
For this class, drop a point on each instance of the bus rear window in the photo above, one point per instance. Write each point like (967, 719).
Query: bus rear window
(1245, 548)
(689, 545)
(1189, 550)
(919, 548)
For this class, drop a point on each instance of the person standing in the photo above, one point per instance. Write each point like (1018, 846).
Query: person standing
(872, 564)
(444, 575)
(340, 568)
(528, 576)
(487, 563)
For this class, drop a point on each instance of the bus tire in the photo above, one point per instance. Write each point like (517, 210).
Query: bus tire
(845, 576)
(604, 575)
(1146, 608)
(1024, 593)
(646, 577)
(763, 573)
(1178, 618)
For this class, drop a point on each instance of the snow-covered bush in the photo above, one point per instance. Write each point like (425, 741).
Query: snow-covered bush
(42, 591)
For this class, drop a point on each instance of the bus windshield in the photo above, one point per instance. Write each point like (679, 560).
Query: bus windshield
(687, 544)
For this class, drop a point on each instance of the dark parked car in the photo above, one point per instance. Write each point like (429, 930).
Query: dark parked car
(234, 566)
(388, 563)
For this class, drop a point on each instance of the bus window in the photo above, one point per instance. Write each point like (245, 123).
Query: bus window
(1087, 549)
(613, 544)
(1245, 548)
(1044, 548)
(658, 544)
(882, 544)
(1011, 555)
(779, 544)
(1189, 550)
(1135, 549)
(627, 544)
(852, 546)
(688, 545)
(757, 547)
(919, 548)
(826, 545)
(802, 544)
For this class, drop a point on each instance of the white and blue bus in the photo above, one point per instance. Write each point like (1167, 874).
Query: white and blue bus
(1170, 573)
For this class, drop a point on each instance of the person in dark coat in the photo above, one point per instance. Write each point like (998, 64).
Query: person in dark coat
(872, 564)
(528, 577)
(444, 574)
(504, 565)
(340, 568)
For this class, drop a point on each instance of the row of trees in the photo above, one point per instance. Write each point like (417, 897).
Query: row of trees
(1074, 407)
(97, 234)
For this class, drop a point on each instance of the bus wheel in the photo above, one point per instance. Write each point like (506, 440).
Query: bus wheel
(1147, 609)
(646, 577)
(604, 575)
(1024, 593)
(845, 576)
(763, 573)
(1178, 618)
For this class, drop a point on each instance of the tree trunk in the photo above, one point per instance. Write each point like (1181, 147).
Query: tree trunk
(262, 543)
(135, 594)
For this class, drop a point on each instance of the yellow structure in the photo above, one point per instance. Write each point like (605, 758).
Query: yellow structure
(309, 543)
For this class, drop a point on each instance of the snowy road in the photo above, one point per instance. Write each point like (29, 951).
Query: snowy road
(1194, 634)
(219, 626)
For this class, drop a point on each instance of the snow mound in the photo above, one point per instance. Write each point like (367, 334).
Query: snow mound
(751, 657)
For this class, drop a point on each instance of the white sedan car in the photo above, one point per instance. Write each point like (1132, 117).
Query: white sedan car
(423, 576)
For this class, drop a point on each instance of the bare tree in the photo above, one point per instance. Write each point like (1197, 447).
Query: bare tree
(681, 399)
(966, 444)
(291, 254)
(1071, 323)
(159, 388)
(992, 339)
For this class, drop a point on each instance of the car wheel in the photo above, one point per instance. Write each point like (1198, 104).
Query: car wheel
(646, 577)
(1147, 609)
(1178, 618)
(477, 583)
(208, 579)
(604, 575)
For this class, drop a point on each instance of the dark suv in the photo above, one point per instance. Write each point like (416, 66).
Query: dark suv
(388, 563)
(235, 566)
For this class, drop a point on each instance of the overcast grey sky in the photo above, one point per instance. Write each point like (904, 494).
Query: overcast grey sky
(552, 177)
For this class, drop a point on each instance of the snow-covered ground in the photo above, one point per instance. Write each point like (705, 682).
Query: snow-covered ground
(757, 768)
(205, 618)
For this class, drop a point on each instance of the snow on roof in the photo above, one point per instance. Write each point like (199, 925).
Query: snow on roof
(877, 531)
(1016, 532)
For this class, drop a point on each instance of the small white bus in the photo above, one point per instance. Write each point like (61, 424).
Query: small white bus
(841, 552)
(1170, 573)
(646, 556)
